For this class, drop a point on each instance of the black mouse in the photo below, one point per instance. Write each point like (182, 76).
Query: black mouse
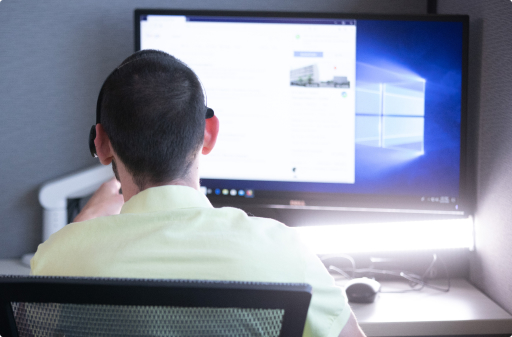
(362, 290)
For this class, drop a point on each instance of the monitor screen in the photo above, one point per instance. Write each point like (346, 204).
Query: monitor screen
(327, 111)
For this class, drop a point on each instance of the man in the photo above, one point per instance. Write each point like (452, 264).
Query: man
(153, 125)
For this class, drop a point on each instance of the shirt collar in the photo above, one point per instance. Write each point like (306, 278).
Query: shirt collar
(165, 198)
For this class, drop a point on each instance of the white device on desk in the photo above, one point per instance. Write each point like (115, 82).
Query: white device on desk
(54, 195)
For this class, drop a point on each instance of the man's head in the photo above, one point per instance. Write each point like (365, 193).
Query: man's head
(153, 112)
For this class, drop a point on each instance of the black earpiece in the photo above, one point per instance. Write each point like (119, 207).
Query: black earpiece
(92, 137)
(209, 113)
(92, 133)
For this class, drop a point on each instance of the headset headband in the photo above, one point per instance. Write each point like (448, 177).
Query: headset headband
(143, 54)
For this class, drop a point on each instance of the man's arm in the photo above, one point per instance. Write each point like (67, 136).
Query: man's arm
(352, 329)
(105, 201)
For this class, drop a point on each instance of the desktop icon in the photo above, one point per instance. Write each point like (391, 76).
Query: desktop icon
(249, 193)
(225, 191)
(209, 191)
(233, 192)
(241, 192)
(217, 191)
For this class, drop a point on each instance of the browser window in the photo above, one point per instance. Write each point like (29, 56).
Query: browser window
(283, 89)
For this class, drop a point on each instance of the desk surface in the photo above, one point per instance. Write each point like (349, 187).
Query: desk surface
(462, 310)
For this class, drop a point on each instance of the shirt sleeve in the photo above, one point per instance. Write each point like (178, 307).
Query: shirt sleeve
(329, 310)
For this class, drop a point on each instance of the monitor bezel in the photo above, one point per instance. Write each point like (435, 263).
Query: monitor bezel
(347, 202)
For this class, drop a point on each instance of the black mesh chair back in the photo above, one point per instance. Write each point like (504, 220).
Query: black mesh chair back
(69, 306)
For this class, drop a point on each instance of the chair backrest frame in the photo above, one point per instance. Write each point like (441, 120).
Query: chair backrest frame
(294, 298)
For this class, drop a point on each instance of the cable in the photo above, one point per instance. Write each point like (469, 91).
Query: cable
(434, 259)
(345, 256)
(416, 282)
(336, 269)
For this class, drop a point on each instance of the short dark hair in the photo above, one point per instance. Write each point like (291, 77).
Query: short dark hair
(153, 111)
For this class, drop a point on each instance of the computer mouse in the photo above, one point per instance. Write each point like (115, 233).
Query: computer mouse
(362, 290)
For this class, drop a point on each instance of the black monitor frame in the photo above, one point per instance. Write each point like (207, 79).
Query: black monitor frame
(365, 206)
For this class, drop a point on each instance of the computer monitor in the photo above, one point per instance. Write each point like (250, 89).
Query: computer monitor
(327, 112)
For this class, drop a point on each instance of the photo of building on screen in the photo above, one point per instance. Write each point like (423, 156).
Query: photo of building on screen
(309, 76)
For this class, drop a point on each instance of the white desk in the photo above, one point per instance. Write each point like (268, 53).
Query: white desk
(463, 310)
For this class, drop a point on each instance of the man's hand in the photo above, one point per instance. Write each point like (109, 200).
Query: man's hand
(105, 201)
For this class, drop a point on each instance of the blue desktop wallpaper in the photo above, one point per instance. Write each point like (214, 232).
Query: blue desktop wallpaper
(432, 51)
(429, 56)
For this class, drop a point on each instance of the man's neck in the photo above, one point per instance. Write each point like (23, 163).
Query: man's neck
(130, 189)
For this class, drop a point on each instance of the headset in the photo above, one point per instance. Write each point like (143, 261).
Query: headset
(92, 134)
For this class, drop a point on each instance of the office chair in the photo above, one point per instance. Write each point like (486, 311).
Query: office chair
(77, 306)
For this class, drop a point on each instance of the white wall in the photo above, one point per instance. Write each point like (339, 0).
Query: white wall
(490, 100)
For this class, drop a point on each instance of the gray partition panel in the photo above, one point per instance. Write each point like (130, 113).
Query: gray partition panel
(54, 55)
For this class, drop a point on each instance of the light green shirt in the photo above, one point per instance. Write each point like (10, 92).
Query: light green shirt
(173, 232)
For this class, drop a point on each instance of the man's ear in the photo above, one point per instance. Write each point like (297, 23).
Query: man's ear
(211, 130)
(103, 146)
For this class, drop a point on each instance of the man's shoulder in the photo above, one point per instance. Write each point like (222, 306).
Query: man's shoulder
(180, 222)
(246, 220)
(228, 218)
(228, 234)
